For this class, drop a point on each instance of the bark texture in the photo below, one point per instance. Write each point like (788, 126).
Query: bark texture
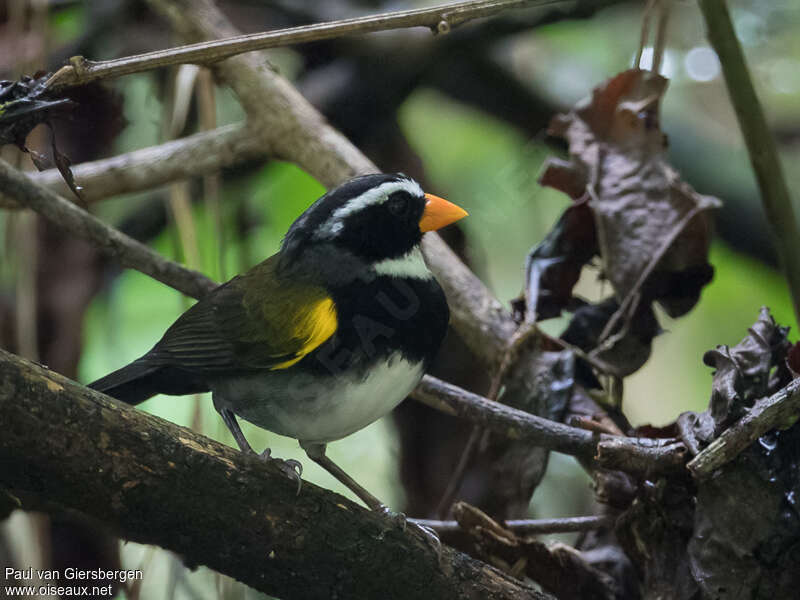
(155, 482)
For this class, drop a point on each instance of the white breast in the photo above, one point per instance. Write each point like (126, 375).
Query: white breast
(321, 410)
(351, 406)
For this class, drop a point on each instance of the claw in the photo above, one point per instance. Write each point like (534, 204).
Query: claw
(295, 466)
(291, 467)
(431, 538)
(398, 519)
(395, 519)
(293, 470)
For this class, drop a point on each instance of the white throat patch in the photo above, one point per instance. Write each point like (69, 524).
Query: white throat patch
(411, 264)
(373, 197)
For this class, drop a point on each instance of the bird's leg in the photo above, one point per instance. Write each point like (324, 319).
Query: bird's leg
(233, 426)
(316, 452)
(292, 468)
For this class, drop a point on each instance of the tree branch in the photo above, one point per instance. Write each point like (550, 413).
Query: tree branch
(484, 322)
(440, 19)
(759, 141)
(779, 410)
(296, 131)
(76, 221)
(641, 456)
(531, 526)
(158, 483)
(191, 156)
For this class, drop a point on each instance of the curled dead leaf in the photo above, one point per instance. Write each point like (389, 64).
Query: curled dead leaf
(643, 212)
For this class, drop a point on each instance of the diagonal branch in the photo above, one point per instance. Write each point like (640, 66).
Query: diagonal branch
(761, 147)
(777, 411)
(297, 132)
(65, 447)
(643, 456)
(76, 221)
(439, 19)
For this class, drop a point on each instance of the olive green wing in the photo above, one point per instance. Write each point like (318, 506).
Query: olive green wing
(258, 320)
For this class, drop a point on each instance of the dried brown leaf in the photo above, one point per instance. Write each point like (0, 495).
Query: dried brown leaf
(632, 346)
(743, 373)
(554, 266)
(643, 211)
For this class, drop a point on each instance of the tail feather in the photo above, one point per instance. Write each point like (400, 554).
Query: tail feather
(132, 384)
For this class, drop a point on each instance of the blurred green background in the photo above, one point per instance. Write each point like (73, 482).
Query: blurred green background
(488, 166)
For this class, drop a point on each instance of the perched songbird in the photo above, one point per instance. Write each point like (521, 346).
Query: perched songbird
(324, 337)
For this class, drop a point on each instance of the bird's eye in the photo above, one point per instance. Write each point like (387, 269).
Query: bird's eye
(398, 203)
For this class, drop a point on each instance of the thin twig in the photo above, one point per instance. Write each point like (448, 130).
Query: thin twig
(661, 35)
(207, 113)
(598, 363)
(180, 202)
(779, 410)
(147, 168)
(76, 221)
(759, 141)
(591, 424)
(625, 307)
(439, 19)
(644, 33)
(457, 477)
(530, 526)
(510, 357)
(632, 455)
(26, 260)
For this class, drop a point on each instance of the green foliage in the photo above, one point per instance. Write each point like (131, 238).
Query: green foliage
(67, 24)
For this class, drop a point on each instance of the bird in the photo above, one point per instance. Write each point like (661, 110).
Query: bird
(322, 338)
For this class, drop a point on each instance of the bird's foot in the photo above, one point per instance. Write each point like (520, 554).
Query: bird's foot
(398, 519)
(290, 467)
(430, 536)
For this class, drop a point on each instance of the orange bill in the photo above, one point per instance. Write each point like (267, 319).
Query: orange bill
(438, 213)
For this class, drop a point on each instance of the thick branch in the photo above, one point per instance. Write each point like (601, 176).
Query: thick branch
(779, 410)
(192, 156)
(759, 141)
(440, 19)
(76, 221)
(154, 482)
(643, 456)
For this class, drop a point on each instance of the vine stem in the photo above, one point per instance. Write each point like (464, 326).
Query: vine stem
(759, 141)
(440, 19)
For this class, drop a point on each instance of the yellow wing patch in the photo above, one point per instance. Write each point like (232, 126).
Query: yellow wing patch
(312, 328)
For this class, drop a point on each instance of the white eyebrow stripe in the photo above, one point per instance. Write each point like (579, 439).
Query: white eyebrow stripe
(374, 196)
(411, 265)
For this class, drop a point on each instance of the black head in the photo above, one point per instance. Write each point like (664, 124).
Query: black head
(374, 217)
